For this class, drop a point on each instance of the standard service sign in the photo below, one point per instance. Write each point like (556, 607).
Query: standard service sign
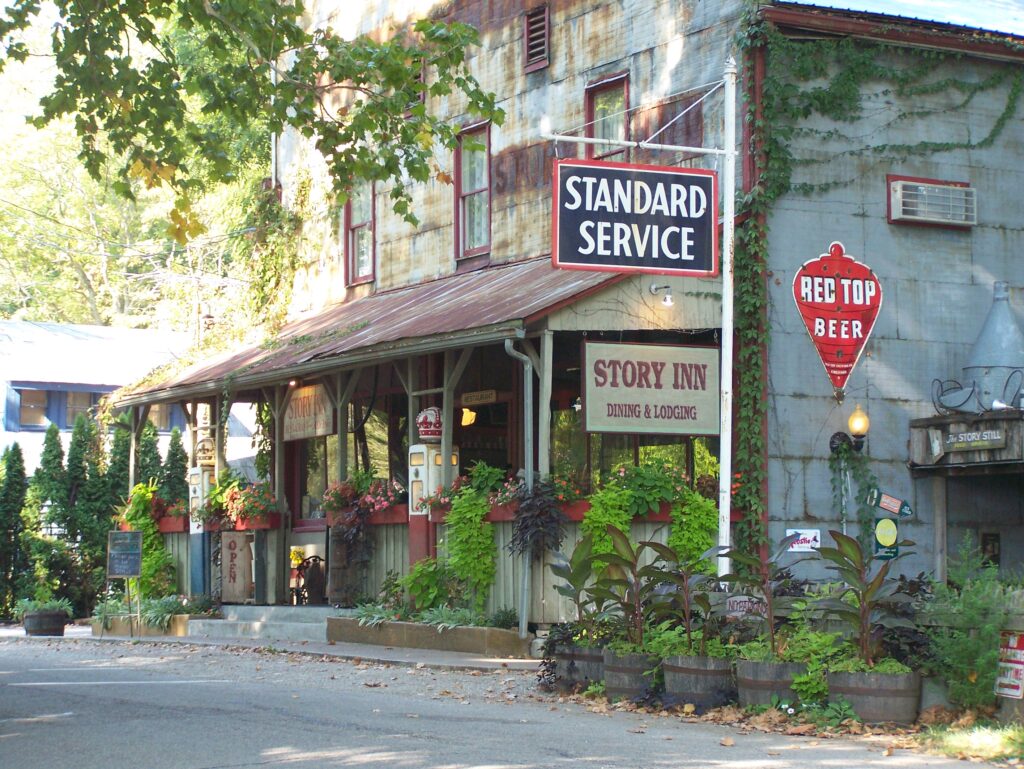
(616, 217)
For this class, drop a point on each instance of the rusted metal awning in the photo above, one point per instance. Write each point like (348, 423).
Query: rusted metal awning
(473, 308)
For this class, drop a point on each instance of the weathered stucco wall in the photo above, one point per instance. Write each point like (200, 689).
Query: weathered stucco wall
(666, 47)
(937, 286)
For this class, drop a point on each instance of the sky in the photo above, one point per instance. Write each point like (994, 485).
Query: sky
(996, 15)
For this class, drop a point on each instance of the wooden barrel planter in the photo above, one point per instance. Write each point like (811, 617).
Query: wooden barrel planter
(624, 675)
(758, 682)
(578, 666)
(878, 697)
(45, 622)
(704, 682)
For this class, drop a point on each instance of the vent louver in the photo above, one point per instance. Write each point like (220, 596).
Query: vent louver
(536, 38)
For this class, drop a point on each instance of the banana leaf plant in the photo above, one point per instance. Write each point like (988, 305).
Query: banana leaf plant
(763, 579)
(869, 596)
(689, 585)
(628, 585)
(577, 572)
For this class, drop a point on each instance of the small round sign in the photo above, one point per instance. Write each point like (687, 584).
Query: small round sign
(886, 532)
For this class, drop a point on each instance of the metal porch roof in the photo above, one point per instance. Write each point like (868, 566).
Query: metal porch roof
(480, 306)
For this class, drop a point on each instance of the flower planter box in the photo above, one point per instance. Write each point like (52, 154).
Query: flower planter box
(758, 682)
(486, 641)
(578, 666)
(172, 524)
(506, 512)
(45, 623)
(704, 682)
(128, 626)
(878, 697)
(624, 675)
(575, 511)
(260, 522)
(390, 515)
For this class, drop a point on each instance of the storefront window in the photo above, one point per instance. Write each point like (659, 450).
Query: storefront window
(320, 468)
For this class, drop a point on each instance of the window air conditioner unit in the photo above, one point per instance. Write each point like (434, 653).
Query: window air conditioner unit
(950, 204)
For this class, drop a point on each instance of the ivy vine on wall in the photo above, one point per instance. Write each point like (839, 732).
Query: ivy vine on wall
(811, 90)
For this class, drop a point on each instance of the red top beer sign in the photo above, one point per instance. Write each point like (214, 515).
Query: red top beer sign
(838, 298)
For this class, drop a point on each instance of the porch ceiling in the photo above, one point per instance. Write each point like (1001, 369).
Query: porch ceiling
(470, 308)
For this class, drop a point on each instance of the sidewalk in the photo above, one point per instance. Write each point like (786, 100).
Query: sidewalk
(384, 655)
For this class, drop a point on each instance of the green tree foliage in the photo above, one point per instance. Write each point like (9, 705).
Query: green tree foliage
(148, 465)
(50, 478)
(174, 473)
(135, 96)
(12, 499)
(117, 466)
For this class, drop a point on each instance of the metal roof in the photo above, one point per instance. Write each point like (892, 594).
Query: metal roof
(1000, 16)
(97, 356)
(471, 308)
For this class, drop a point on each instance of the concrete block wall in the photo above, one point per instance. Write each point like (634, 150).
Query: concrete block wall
(937, 286)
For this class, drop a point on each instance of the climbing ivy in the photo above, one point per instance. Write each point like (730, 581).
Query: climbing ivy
(806, 83)
(844, 459)
(472, 552)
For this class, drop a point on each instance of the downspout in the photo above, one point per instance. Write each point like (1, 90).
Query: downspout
(524, 590)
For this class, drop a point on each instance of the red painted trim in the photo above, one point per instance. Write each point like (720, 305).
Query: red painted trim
(483, 128)
(605, 83)
(555, 201)
(529, 66)
(419, 538)
(896, 31)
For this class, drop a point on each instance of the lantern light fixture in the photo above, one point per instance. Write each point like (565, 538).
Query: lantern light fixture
(666, 301)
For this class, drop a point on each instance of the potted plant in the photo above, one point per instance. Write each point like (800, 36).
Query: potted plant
(761, 673)
(877, 689)
(629, 586)
(696, 664)
(252, 507)
(213, 512)
(43, 615)
(338, 501)
(575, 646)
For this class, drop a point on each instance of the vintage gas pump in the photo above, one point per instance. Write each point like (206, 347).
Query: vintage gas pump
(200, 480)
(426, 467)
(426, 474)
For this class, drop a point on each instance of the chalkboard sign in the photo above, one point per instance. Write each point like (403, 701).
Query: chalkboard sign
(124, 554)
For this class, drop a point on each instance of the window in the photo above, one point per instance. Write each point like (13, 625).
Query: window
(607, 102)
(536, 36)
(160, 416)
(77, 403)
(473, 193)
(33, 408)
(358, 234)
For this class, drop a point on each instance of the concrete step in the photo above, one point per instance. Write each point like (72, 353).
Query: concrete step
(261, 630)
(250, 613)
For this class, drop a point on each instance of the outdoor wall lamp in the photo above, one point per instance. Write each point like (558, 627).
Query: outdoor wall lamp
(858, 425)
(468, 417)
(666, 301)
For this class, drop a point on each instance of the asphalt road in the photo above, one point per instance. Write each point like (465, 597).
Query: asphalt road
(82, 705)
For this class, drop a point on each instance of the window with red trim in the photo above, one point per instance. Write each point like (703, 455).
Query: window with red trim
(607, 117)
(358, 234)
(473, 193)
(536, 39)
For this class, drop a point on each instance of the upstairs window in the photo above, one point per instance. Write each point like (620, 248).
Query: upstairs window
(473, 193)
(536, 39)
(33, 408)
(607, 117)
(160, 416)
(77, 403)
(358, 235)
